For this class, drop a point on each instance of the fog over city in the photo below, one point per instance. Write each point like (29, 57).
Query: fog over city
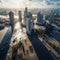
(29, 3)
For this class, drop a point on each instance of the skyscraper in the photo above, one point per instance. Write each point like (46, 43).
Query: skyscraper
(11, 16)
(20, 19)
(29, 22)
(20, 16)
(25, 14)
(40, 19)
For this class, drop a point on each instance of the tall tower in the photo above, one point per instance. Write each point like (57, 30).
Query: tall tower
(11, 17)
(20, 16)
(39, 18)
(25, 14)
(29, 23)
(26, 10)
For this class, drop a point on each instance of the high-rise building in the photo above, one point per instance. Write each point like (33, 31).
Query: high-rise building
(40, 19)
(25, 13)
(29, 22)
(11, 16)
(20, 16)
(20, 19)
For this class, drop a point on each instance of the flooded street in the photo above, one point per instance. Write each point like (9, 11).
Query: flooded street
(4, 45)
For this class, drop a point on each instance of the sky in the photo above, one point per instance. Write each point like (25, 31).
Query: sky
(29, 0)
(23, 3)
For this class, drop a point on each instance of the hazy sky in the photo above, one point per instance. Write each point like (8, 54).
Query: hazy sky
(23, 3)
(32, 0)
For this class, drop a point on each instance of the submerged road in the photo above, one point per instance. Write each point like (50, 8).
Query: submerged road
(4, 45)
(40, 49)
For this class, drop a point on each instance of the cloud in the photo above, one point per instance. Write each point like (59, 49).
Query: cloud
(11, 3)
(23, 3)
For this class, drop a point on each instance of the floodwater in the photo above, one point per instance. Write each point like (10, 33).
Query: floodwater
(4, 44)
